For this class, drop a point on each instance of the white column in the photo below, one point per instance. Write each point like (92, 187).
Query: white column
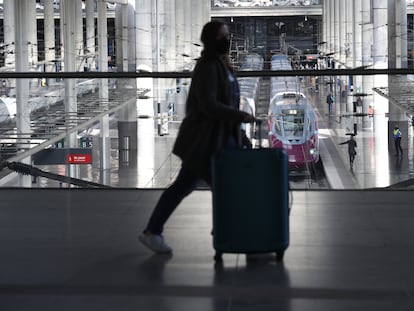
(166, 50)
(367, 25)
(146, 40)
(196, 26)
(336, 29)
(380, 61)
(79, 45)
(396, 114)
(144, 16)
(206, 11)
(180, 11)
(380, 35)
(90, 34)
(348, 45)
(401, 32)
(342, 31)
(323, 47)
(188, 47)
(327, 19)
(102, 47)
(62, 35)
(49, 31)
(32, 33)
(156, 58)
(103, 87)
(125, 37)
(171, 53)
(70, 100)
(9, 29)
(167, 34)
(9, 32)
(182, 57)
(120, 59)
(129, 44)
(341, 46)
(357, 43)
(22, 85)
(332, 26)
(128, 14)
(349, 33)
(163, 46)
(127, 116)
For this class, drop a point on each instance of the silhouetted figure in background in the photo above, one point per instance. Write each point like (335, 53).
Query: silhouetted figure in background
(397, 140)
(330, 100)
(351, 149)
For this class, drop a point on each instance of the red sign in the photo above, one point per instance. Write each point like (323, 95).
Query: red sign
(79, 159)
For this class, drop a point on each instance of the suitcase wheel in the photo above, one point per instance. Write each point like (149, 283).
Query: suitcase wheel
(279, 255)
(218, 257)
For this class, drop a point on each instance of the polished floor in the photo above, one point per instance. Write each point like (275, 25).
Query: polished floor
(78, 250)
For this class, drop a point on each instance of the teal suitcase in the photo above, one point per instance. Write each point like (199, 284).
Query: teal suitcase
(250, 191)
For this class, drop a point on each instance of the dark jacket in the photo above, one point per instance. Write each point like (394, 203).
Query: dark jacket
(329, 99)
(351, 146)
(209, 120)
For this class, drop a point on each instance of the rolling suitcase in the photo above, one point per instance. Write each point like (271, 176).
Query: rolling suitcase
(250, 191)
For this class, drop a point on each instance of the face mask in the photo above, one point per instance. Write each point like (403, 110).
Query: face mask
(222, 45)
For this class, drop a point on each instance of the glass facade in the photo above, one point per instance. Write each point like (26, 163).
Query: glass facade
(152, 108)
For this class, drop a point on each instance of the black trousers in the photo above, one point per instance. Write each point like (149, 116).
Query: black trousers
(398, 148)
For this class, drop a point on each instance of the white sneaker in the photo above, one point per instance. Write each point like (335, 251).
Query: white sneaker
(155, 242)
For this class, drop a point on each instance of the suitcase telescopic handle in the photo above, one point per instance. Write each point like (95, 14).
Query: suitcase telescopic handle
(259, 130)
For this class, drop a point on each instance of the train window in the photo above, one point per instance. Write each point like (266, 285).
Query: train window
(293, 121)
(276, 126)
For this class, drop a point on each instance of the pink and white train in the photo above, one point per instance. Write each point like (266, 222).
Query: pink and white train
(292, 121)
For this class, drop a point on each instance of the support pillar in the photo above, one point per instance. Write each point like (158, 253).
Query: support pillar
(395, 60)
(105, 144)
(196, 26)
(357, 43)
(90, 36)
(324, 27)
(145, 59)
(49, 31)
(342, 32)
(127, 117)
(329, 21)
(336, 8)
(349, 51)
(21, 10)
(379, 103)
(70, 100)
(146, 38)
(79, 46)
(188, 46)
(9, 42)
(32, 33)
(367, 48)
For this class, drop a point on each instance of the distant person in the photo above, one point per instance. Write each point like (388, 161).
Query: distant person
(330, 100)
(351, 149)
(397, 140)
(359, 103)
(212, 122)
